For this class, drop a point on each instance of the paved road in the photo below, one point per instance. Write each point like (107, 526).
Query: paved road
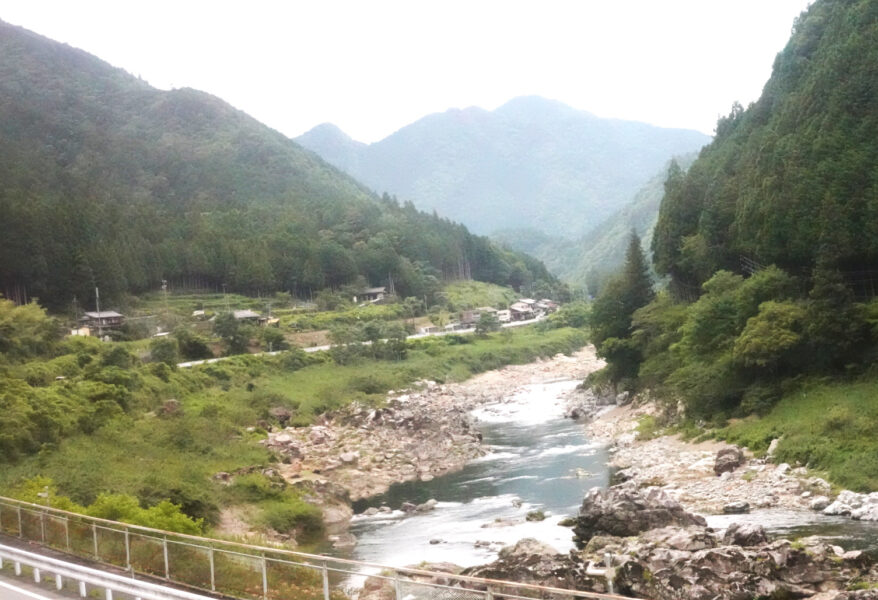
(192, 363)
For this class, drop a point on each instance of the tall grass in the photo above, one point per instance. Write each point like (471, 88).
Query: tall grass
(831, 427)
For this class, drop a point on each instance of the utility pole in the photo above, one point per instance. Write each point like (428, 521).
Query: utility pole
(100, 320)
(226, 297)
(165, 290)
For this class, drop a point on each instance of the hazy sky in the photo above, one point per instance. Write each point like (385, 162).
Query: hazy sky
(373, 66)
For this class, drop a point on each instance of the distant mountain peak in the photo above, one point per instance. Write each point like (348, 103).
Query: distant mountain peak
(533, 162)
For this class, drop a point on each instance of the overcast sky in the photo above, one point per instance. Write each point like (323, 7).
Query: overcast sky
(373, 66)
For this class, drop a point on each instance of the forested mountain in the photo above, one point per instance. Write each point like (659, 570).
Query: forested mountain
(106, 181)
(795, 175)
(590, 260)
(771, 242)
(532, 163)
(602, 251)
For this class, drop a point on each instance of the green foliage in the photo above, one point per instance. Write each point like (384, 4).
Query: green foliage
(25, 331)
(793, 173)
(165, 515)
(464, 295)
(488, 323)
(295, 516)
(165, 350)
(613, 310)
(827, 426)
(773, 337)
(235, 335)
(191, 346)
(210, 197)
(116, 507)
(575, 314)
(273, 339)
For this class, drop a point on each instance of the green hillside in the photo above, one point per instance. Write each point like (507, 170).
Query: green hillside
(105, 181)
(771, 243)
(796, 173)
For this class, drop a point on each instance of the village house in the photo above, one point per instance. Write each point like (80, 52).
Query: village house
(106, 319)
(521, 311)
(547, 306)
(371, 295)
(248, 315)
(471, 317)
(504, 316)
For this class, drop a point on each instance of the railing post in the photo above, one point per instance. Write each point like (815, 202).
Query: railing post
(94, 535)
(20, 530)
(43, 528)
(17, 569)
(212, 571)
(67, 532)
(109, 594)
(264, 579)
(396, 586)
(37, 577)
(165, 552)
(59, 582)
(325, 582)
(127, 550)
(83, 593)
(489, 593)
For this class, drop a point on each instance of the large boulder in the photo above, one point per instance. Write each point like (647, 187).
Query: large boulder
(728, 459)
(625, 510)
(531, 561)
(745, 534)
(781, 569)
(857, 506)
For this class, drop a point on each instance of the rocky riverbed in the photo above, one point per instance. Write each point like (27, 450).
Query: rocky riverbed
(420, 433)
(687, 470)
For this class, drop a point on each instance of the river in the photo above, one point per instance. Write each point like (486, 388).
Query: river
(538, 460)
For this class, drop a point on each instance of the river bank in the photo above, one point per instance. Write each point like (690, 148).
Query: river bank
(686, 470)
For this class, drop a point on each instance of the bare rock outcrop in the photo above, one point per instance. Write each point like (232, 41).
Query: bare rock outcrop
(626, 510)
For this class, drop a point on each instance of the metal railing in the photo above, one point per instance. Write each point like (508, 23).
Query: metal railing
(85, 578)
(245, 571)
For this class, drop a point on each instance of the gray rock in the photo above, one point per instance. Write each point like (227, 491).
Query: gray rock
(745, 534)
(408, 507)
(623, 398)
(625, 510)
(736, 508)
(349, 458)
(819, 503)
(772, 448)
(728, 459)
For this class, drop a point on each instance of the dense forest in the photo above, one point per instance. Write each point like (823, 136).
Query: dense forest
(105, 181)
(770, 241)
(795, 175)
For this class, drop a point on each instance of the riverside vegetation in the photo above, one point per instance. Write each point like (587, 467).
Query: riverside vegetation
(118, 431)
(768, 327)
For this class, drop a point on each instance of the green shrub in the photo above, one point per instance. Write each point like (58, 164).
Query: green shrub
(293, 515)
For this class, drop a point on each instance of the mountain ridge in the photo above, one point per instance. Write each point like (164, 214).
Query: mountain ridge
(521, 164)
(107, 182)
